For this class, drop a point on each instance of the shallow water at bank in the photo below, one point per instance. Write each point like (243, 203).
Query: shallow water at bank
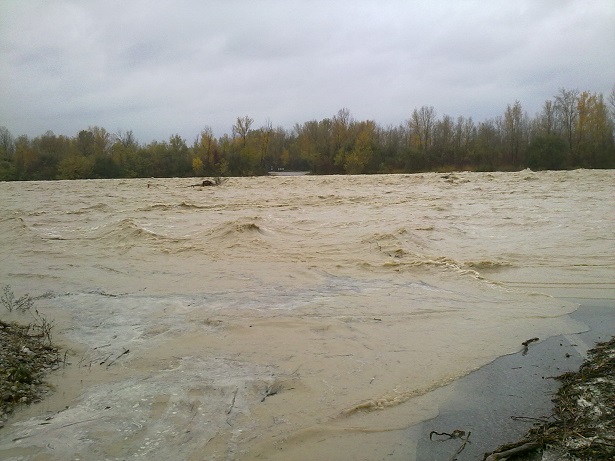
(280, 315)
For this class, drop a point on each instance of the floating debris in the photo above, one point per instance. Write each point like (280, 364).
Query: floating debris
(582, 426)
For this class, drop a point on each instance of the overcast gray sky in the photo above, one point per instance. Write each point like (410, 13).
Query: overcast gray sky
(165, 67)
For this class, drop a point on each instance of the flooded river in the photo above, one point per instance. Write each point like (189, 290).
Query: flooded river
(303, 318)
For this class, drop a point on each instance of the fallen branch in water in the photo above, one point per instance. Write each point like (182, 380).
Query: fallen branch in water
(113, 361)
(230, 408)
(512, 451)
(463, 445)
(456, 434)
(527, 343)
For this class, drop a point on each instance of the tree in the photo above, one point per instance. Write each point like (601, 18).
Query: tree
(612, 109)
(102, 141)
(27, 159)
(359, 156)
(305, 147)
(547, 118)
(279, 150)
(340, 144)
(547, 152)
(126, 139)
(465, 132)
(241, 128)
(265, 134)
(488, 146)
(51, 149)
(444, 141)
(178, 157)
(594, 145)
(421, 126)
(85, 143)
(7, 144)
(612, 103)
(197, 166)
(206, 150)
(513, 132)
(76, 166)
(125, 154)
(7, 154)
(244, 155)
(392, 145)
(566, 108)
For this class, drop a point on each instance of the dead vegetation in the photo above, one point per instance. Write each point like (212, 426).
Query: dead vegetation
(26, 355)
(582, 426)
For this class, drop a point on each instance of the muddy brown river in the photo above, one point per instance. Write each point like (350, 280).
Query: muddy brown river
(288, 318)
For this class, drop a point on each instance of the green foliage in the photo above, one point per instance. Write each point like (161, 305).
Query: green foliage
(575, 129)
(75, 167)
(8, 172)
(547, 152)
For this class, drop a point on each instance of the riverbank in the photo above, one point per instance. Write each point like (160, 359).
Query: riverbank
(508, 402)
(582, 425)
(25, 359)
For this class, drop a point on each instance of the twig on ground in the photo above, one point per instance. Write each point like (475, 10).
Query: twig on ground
(512, 451)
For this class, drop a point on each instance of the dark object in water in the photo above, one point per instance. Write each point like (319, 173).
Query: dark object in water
(527, 343)
(208, 182)
(205, 183)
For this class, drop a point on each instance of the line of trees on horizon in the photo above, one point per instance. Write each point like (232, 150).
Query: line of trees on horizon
(573, 130)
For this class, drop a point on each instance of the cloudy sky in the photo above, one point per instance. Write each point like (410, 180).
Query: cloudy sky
(165, 67)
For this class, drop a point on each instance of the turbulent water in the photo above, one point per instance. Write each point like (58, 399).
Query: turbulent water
(288, 317)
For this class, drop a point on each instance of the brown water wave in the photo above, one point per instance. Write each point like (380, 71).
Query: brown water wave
(97, 208)
(127, 232)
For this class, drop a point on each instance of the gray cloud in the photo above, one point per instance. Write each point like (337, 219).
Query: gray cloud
(160, 68)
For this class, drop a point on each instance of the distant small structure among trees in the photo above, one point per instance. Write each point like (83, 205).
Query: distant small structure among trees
(573, 130)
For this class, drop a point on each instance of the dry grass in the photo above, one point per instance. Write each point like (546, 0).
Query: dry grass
(26, 354)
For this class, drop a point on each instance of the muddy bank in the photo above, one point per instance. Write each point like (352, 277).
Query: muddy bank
(499, 403)
(582, 425)
(26, 358)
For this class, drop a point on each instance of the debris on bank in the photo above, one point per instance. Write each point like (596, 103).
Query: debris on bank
(582, 426)
(25, 357)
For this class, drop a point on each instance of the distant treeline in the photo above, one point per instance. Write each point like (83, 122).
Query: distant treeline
(574, 130)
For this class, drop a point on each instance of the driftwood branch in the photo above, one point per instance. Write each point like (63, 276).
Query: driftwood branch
(513, 451)
(527, 343)
(230, 408)
(456, 434)
(463, 445)
(122, 354)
